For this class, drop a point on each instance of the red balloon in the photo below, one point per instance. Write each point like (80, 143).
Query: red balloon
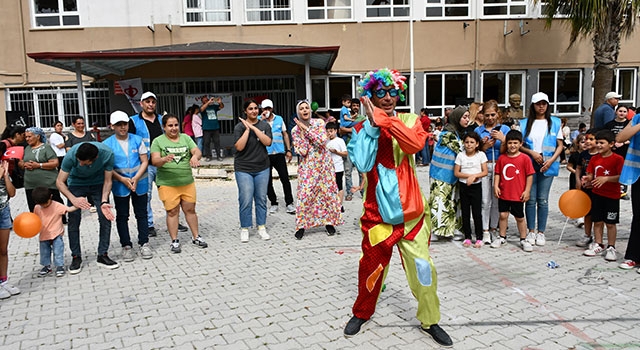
(27, 225)
(574, 204)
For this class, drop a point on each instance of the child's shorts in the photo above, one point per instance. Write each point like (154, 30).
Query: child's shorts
(5, 218)
(515, 208)
(605, 209)
(339, 176)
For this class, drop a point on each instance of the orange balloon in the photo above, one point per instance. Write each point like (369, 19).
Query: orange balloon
(574, 204)
(27, 225)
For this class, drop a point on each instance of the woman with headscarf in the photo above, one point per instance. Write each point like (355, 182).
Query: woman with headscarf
(443, 197)
(40, 164)
(318, 204)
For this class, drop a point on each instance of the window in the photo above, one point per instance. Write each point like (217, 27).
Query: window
(562, 12)
(55, 13)
(447, 8)
(268, 10)
(212, 11)
(624, 84)
(564, 89)
(328, 9)
(516, 8)
(388, 8)
(445, 90)
(500, 85)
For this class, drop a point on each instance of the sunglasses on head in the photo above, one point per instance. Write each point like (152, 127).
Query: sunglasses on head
(382, 92)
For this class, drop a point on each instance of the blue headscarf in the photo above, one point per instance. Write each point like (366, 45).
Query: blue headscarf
(37, 131)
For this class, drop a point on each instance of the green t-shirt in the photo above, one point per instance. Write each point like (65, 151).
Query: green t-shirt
(178, 172)
(87, 175)
(40, 177)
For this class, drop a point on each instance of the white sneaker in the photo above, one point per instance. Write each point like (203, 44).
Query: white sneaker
(291, 209)
(4, 294)
(486, 237)
(540, 239)
(273, 209)
(262, 231)
(526, 246)
(584, 241)
(579, 223)
(531, 238)
(244, 235)
(13, 290)
(611, 254)
(594, 249)
(498, 242)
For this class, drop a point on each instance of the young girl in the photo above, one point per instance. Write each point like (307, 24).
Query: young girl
(589, 151)
(7, 190)
(574, 156)
(470, 166)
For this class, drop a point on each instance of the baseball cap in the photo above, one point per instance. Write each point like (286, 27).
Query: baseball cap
(118, 116)
(539, 96)
(148, 94)
(267, 103)
(612, 94)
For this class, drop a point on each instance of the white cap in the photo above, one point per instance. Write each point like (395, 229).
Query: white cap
(539, 96)
(118, 116)
(148, 94)
(267, 103)
(612, 94)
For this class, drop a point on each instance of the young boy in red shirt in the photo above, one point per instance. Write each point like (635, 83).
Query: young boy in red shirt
(512, 186)
(603, 173)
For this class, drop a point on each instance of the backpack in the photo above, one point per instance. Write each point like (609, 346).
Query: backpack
(13, 155)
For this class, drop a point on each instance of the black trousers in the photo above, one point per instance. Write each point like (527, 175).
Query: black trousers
(633, 246)
(471, 203)
(279, 162)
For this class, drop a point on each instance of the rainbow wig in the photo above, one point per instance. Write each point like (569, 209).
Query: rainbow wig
(377, 79)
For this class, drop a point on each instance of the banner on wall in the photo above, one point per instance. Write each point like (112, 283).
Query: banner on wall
(132, 90)
(225, 113)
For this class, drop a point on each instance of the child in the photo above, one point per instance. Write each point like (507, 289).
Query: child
(583, 161)
(574, 154)
(338, 150)
(603, 173)
(346, 121)
(7, 190)
(512, 186)
(470, 166)
(50, 212)
(616, 125)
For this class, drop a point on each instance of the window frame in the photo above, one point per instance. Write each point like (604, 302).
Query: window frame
(60, 14)
(442, 104)
(508, 4)
(443, 5)
(326, 8)
(391, 7)
(271, 9)
(523, 86)
(554, 104)
(203, 11)
(617, 85)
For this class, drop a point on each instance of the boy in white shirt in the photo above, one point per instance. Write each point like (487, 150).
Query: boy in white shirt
(338, 150)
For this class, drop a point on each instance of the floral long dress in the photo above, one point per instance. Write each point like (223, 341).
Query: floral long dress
(318, 203)
(444, 200)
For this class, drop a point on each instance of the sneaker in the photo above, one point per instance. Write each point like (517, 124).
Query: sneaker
(291, 209)
(4, 294)
(584, 241)
(182, 228)
(76, 265)
(540, 241)
(486, 237)
(526, 246)
(152, 232)
(13, 290)
(44, 271)
(93, 209)
(478, 244)
(579, 223)
(199, 242)
(458, 236)
(273, 209)
(531, 238)
(348, 198)
(145, 251)
(628, 265)
(244, 235)
(330, 230)
(175, 247)
(498, 242)
(466, 243)
(611, 254)
(106, 262)
(262, 231)
(299, 234)
(439, 335)
(219, 159)
(353, 326)
(208, 159)
(127, 254)
(594, 249)
(60, 271)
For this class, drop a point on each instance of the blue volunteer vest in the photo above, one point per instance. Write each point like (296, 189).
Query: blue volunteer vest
(142, 131)
(127, 165)
(442, 162)
(631, 169)
(277, 140)
(548, 145)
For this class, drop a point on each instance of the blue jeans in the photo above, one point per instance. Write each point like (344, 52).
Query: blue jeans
(58, 252)
(122, 218)
(424, 154)
(199, 143)
(94, 196)
(252, 187)
(152, 171)
(539, 200)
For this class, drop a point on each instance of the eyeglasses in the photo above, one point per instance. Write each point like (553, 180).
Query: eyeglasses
(382, 93)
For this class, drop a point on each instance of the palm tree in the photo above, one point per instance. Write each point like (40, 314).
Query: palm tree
(605, 22)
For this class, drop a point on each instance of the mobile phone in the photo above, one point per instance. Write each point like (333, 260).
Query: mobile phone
(496, 128)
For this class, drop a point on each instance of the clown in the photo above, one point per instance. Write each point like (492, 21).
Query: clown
(395, 211)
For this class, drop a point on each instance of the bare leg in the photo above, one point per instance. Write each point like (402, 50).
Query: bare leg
(587, 225)
(612, 232)
(173, 217)
(4, 257)
(504, 218)
(598, 230)
(190, 215)
(522, 227)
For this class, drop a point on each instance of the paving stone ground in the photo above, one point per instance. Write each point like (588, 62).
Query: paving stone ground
(289, 294)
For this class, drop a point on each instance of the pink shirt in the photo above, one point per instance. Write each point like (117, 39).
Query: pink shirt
(196, 123)
(51, 217)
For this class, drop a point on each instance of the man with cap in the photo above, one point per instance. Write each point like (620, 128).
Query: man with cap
(211, 126)
(606, 112)
(131, 183)
(279, 155)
